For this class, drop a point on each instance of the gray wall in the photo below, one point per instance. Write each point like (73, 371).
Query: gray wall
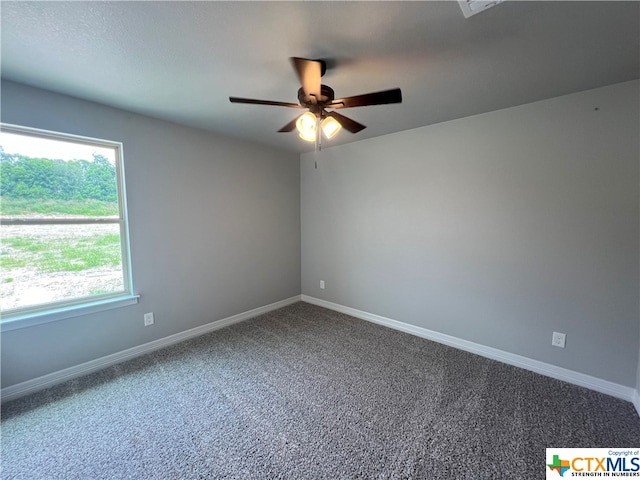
(214, 226)
(498, 229)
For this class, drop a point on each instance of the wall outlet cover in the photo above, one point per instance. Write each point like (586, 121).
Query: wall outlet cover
(558, 339)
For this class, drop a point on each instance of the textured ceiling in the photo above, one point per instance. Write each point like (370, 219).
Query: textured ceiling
(181, 61)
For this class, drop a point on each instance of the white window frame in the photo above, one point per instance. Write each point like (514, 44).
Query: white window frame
(52, 311)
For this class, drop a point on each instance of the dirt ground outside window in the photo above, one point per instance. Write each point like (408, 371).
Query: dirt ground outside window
(31, 275)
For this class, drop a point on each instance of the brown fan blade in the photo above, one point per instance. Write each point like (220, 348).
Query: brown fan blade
(309, 73)
(347, 123)
(291, 125)
(376, 98)
(264, 102)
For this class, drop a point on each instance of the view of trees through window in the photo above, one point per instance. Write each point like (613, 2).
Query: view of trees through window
(60, 222)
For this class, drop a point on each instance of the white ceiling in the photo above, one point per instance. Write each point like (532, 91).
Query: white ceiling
(181, 61)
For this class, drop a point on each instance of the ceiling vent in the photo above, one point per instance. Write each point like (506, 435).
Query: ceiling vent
(471, 7)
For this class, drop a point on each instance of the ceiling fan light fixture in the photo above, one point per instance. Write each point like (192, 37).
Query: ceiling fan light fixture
(330, 127)
(316, 97)
(306, 126)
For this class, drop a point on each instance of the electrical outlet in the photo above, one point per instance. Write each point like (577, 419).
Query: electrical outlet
(558, 339)
(148, 319)
(322, 284)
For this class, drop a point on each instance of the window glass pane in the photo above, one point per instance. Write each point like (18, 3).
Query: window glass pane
(62, 231)
(50, 263)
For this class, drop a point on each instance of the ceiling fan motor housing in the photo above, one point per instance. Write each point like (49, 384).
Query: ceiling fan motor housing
(326, 96)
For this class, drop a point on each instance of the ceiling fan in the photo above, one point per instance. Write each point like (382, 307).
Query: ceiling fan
(317, 98)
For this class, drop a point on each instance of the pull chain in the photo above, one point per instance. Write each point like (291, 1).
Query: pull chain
(318, 148)
(318, 135)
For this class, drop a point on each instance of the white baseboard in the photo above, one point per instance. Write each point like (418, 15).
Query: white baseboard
(30, 386)
(559, 373)
(620, 391)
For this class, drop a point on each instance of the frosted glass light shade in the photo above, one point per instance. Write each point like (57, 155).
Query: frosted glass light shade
(306, 126)
(331, 127)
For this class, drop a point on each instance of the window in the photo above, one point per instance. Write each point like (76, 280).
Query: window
(63, 226)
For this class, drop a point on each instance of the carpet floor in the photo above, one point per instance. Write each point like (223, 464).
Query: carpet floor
(306, 393)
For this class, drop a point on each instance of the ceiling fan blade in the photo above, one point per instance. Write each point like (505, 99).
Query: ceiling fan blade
(376, 98)
(309, 72)
(347, 123)
(291, 125)
(264, 102)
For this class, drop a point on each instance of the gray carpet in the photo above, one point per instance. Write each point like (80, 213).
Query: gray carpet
(306, 393)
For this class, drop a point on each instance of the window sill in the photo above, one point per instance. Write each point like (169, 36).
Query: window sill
(38, 318)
